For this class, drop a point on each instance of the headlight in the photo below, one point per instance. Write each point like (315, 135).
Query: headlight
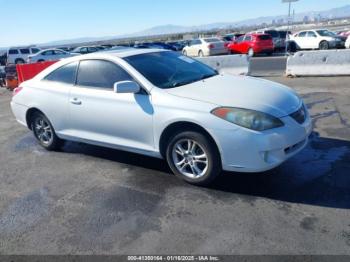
(247, 118)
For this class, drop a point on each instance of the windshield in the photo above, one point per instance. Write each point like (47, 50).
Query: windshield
(325, 33)
(170, 69)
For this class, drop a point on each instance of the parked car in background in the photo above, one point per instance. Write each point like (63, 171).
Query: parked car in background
(156, 45)
(85, 50)
(107, 46)
(205, 47)
(322, 39)
(19, 55)
(49, 55)
(252, 44)
(2, 76)
(231, 37)
(345, 33)
(284, 36)
(3, 59)
(278, 42)
(177, 46)
(198, 120)
(67, 49)
(117, 48)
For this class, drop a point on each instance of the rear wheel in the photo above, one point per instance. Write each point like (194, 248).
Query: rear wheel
(193, 158)
(44, 132)
(324, 45)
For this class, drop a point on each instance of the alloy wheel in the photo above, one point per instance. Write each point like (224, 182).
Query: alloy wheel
(43, 131)
(189, 158)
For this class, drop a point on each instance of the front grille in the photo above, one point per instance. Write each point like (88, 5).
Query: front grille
(300, 115)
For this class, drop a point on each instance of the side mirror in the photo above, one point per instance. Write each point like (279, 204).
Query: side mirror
(123, 87)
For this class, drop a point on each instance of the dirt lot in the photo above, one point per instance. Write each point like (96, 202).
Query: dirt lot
(92, 200)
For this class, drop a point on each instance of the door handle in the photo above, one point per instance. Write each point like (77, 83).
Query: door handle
(75, 101)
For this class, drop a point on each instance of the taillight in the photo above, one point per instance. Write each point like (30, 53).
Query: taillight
(211, 46)
(17, 90)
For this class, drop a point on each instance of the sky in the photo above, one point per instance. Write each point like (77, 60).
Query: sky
(40, 21)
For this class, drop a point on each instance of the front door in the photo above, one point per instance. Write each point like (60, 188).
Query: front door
(99, 114)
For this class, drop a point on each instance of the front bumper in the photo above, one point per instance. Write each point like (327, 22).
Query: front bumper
(244, 150)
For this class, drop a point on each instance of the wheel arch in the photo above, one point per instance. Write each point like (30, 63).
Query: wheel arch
(29, 114)
(182, 126)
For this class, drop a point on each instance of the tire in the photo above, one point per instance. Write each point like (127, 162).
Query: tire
(199, 165)
(269, 53)
(200, 53)
(251, 52)
(19, 61)
(324, 45)
(41, 60)
(184, 52)
(44, 132)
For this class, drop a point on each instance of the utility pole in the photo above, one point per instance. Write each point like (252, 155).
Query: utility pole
(289, 19)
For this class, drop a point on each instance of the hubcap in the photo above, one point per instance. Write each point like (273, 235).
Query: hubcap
(43, 130)
(189, 158)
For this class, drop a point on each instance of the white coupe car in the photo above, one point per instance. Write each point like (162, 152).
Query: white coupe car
(322, 39)
(205, 47)
(178, 108)
(49, 55)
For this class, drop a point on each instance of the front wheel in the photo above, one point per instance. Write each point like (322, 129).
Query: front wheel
(44, 132)
(193, 158)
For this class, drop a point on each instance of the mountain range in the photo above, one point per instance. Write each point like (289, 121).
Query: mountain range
(340, 12)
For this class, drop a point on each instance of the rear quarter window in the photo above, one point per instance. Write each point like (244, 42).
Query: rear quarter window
(65, 74)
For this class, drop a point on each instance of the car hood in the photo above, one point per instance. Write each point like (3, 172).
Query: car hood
(242, 92)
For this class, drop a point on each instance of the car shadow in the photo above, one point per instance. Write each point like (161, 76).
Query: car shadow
(319, 175)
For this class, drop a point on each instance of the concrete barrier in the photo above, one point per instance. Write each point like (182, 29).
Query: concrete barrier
(319, 63)
(230, 64)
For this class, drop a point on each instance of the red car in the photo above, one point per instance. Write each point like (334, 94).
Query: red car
(252, 44)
